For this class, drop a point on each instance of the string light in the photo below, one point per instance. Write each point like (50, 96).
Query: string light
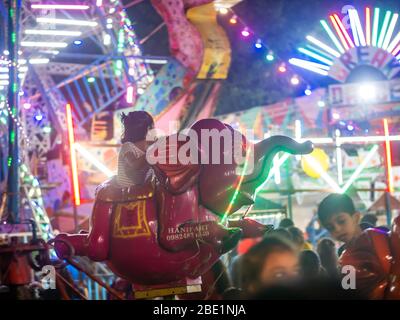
(282, 68)
(233, 20)
(19, 125)
(245, 32)
(295, 80)
(270, 56)
(222, 10)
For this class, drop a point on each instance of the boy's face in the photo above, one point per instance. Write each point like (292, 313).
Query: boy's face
(343, 226)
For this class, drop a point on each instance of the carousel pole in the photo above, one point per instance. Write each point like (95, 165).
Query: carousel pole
(14, 8)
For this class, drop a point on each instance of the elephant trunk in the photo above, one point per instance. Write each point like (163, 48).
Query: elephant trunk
(264, 153)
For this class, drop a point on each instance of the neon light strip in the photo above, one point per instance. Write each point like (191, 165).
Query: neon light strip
(55, 52)
(317, 167)
(54, 32)
(229, 208)
(339, 164)
(319, 51)
(39, 61)
(368, 139)
(281, 161)
(323, 46)
(297, 134)
(357, 31)
(341, 26)
(74, 166)
(368, 26)
(389, 33)
(342, 39)
(59, 6)
(384, 28)
(297, 129)
(316, 56)
(296, 61)
(375, 27)
(332, 36)
(353, 27)
(67, 22)
(388, 157)
(92, 158)
(44, 44)
(129, 94)
(396, 51)
(360, 168)
(391, 47)
(339, 158)
(303, 64)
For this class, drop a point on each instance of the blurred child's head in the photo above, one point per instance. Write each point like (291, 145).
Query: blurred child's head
(328, 255)
(370, 218)
(310, 265)
(286, 223)
(282, 233)
(297, 237)
(338, 215)
(136, 126)
(271, 261)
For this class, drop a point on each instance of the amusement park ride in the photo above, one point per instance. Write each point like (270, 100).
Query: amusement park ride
(59, 124)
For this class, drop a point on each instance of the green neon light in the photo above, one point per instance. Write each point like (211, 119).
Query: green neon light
(13, 37)
(320, 52)
(280, 162)
(12, 136)
(9, 161)
(332, 36)
(384, 28)
(375, 27)
(235, 194)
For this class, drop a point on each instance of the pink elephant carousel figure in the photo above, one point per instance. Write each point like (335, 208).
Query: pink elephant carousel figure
(167, 231)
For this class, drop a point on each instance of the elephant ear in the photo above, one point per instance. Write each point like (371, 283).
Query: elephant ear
(176, 174)
(219, 183)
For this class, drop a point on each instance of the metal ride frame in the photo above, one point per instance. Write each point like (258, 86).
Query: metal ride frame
(45, 89)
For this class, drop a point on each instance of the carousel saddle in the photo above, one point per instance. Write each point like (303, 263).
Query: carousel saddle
(111, 191)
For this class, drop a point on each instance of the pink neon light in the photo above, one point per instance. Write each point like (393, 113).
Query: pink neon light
(60, 6)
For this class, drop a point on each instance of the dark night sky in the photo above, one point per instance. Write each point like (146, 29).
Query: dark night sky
(281, 24)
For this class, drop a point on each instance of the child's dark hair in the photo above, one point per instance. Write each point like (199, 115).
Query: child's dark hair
(286, 223)
(334, 204)
(136, 125)
(253, 260)
(297, 235)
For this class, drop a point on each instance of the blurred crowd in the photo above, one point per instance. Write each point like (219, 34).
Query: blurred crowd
(291, 263)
